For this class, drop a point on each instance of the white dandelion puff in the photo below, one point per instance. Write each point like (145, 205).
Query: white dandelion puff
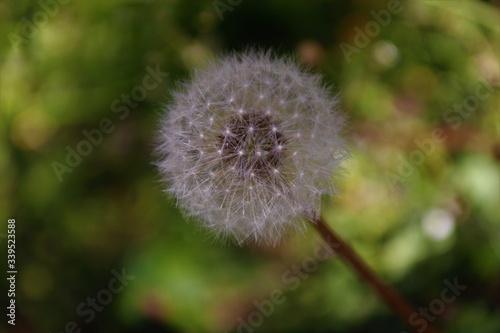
(250, 145)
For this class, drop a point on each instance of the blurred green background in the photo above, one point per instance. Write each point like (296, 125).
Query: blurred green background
(419, 211)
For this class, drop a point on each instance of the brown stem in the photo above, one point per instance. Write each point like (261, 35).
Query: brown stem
(388, 294)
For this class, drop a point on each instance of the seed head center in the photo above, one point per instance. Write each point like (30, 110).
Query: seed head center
(253, 143)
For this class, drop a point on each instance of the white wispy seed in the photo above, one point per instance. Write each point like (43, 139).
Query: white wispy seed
(250, 145)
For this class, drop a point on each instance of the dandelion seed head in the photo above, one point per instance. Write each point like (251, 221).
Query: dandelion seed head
(228, 143)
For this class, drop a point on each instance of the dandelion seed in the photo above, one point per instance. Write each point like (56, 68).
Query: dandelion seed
(254, 190)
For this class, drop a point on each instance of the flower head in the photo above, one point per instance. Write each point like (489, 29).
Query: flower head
(249, 146)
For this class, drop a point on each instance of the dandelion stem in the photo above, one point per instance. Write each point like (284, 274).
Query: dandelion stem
(387, 293)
